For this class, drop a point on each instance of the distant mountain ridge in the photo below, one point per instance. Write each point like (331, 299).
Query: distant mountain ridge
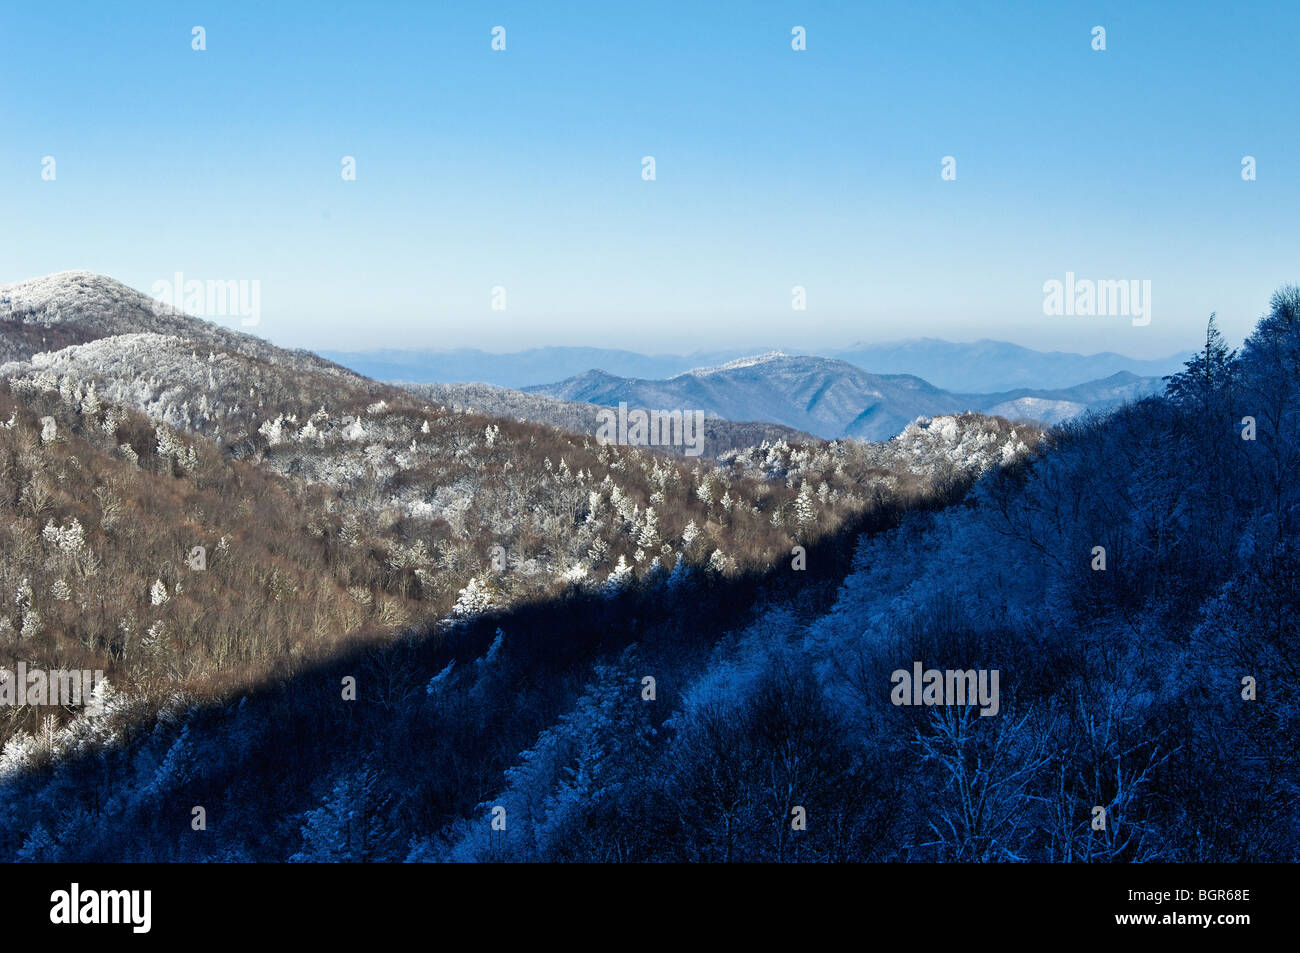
(827, 398)
(984, 366)
(833, 399)
(543, 365)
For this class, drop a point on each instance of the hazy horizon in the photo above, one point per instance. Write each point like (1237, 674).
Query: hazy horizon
(262, 328)
(744, 350)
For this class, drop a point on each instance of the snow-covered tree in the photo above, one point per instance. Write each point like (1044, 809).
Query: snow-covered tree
(478, 596)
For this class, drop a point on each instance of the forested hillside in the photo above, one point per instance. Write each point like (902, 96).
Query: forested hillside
(228, 530)
(1132, 579)
(443, 507)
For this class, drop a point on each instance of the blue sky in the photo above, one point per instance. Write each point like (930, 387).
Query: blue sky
(774, 168)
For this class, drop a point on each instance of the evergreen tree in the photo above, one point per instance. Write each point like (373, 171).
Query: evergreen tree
(1206, 375)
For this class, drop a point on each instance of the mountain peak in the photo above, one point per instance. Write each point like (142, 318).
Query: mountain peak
(62, 284)
(737, 363)
(81, 297)
(76, 307)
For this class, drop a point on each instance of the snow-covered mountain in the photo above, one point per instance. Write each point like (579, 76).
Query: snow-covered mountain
(834, 399)
(46, 314)
(830, 399)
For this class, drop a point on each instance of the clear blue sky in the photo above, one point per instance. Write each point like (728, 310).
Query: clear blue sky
(775, 168)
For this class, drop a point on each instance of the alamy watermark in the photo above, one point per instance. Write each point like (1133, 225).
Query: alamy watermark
(1088, 298)
(240, 298)
(66, 688)
(951, 687)
(76, 905)
(652, 428)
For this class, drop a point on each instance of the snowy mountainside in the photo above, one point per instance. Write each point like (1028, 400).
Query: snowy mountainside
(432, 486)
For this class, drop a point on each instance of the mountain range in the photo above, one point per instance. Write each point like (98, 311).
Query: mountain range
(543, 365)
(984, 366)
(833, 399)
(88, 324)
